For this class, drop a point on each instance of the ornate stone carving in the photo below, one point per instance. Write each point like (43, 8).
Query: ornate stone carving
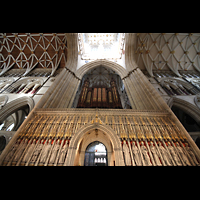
(136, 154)
(47, 148)
(126, 154)
(145, 155)
(165, 154)
(155, 154)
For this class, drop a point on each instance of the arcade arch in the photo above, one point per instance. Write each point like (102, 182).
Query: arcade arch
(15, 112)
(109, 64)
(88, 134)
(103, 88)
(187, 107)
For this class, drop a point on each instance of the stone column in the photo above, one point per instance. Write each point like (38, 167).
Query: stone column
(69, 94)
(145, 95)
(74, 93)
(138, 92)
(51, 101)
(51, 90)
(129, 94)
(156, 99)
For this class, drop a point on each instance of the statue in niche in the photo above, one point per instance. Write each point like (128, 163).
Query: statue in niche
(165, 154)
(174, 154)
(36, 152)
(29, 151)
(136, 154)
(182, 154)
(22, 147)
(63, 153)
(155, 154)
(54, 152)
(45, 151)
(145, 154)
(189, 150)
(12, 151)
(126, 154)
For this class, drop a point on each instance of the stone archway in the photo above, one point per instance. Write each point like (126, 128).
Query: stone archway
(187, 107)
(15, 105)
(112, 65)
(95, 154)
(86, 135)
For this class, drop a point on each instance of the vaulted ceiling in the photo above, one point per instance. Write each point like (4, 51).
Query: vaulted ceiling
(167, 51)
(101, 76)
(32, 50)
(151, 51)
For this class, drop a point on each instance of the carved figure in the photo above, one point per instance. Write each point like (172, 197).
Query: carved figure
(22, 147)
(126, 154)
(12, 151)
(29, 151)
(63, 153)
(36, 152)
(45, 151)
(54, 152)
(189, 150)
(182, 154)
(165, 154)
(136, 154)
(145, 154)
(174, 154)
(155, 154)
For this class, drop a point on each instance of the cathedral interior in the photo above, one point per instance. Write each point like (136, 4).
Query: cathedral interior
(99, 99)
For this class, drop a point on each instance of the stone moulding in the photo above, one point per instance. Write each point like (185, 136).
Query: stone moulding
(101, 111)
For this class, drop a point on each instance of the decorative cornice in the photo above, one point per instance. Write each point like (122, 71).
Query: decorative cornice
(101, 111)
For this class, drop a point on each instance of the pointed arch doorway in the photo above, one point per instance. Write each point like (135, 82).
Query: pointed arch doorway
(96, 154)
(85, 136)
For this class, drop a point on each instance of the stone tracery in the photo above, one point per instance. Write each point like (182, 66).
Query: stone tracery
(51, 137)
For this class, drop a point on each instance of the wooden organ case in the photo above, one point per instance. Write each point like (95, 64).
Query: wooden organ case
(99, 96)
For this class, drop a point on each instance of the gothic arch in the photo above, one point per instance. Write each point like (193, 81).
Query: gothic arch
(92, 137)
(188, 108)
(15, 105)
(112, 65)
(77, 138)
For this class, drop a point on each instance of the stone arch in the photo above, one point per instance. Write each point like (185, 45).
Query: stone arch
(187, 107)
(120, 71)
(92, 137)
(112, 65)
(78, 137)
(15, 105)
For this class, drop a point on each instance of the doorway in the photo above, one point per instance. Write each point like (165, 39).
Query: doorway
(96, 154)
